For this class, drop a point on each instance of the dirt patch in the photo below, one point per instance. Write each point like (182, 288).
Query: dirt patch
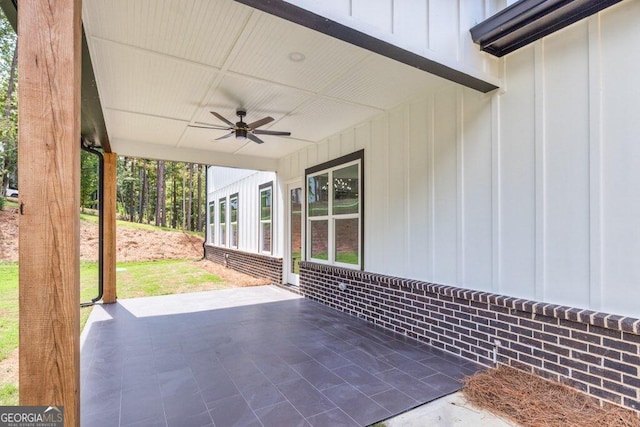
(9, 368)
(131, 244)
(532, 401)
(231, 276)
(9, 234)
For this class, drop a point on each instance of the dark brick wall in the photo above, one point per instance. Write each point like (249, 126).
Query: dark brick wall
(255, 265)
(594, 352)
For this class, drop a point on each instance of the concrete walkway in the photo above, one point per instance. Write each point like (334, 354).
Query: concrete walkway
(451, 410)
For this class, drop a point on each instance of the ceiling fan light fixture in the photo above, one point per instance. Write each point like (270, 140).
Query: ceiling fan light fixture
(297, 57)
(241, 134)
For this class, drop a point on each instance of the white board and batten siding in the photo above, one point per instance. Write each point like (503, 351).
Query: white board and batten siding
(247, 184)
(531, 191)
(434, 29)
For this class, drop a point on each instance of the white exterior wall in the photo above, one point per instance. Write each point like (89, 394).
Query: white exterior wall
(434, 29)
(221, 177)
(532, 192)
(248, 189)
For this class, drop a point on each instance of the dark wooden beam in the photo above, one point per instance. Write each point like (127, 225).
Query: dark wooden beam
(49, 174)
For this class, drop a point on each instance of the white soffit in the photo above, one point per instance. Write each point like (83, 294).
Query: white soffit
(161, 65)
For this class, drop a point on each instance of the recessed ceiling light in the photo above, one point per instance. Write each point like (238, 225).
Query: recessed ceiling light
(297, 56)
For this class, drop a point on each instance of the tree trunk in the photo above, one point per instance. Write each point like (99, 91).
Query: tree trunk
(190, 198)
(132, 203)
(161, 217)
(199, 198)
(4, 179)
(174, 219)
(143, 191)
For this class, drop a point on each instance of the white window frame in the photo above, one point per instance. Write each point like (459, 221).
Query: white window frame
(331, 166)
(236, 222)
(268, 186)
(212, 221)
(223, 236)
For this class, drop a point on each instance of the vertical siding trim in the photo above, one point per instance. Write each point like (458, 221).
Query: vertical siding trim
(496, 277)
(540, 178)
(431, 202)
(460, 237)
(406, 116)
(459, 42)
(595, 164)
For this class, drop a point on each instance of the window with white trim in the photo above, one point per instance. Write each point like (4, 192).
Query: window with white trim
(212, 222)
(334, 212)
(233, 221)
(266, 214)
(222, 222)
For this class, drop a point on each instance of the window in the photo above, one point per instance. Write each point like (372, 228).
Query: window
(222, 221)
(334, 211)
(266, 207)
(233, 221)
(212, 222)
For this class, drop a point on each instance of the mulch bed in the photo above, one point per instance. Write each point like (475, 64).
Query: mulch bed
(533, 401)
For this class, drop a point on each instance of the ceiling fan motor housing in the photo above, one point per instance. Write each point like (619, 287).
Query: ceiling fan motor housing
(241, 132)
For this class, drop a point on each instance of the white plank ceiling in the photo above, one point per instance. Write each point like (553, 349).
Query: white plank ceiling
(162, 65)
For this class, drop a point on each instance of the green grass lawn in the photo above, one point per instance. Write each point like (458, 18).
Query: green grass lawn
(134, 279)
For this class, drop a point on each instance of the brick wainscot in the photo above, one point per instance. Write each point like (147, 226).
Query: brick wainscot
(594, 352)
(255, 265)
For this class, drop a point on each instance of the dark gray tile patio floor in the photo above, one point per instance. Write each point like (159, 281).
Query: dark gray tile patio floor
(251, 357)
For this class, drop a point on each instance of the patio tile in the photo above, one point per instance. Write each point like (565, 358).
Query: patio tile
(177, 382)
(447, 367)
(233, 411)
(329, 359)
(418, 390)
(416, 369)
(261, 394)
(443, 383)
(370, 347)
(277, 370)
(332, 418)
(362, 380)
(319, 376)
(202, 419)
(305, 398)
(355, 404)
(395, 401)
(184, 404)
(281, 360)
(367, 361)
(280, 415)
(140, 405)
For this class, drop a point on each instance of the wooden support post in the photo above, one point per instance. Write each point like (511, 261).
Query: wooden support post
(49, 175)
(109, 244)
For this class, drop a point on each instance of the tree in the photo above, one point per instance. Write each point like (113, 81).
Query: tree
(8, 97)
(144, 191)
(189, 197)
(161, 203)
(88, 180)
(199, 199)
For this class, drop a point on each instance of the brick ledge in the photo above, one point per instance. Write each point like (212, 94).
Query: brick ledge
(589, 317)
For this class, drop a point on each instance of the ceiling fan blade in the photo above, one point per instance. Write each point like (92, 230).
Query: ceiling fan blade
(226, 136)
(260, 122)
(271, 132)
(222, 118)
(255, 138)
(210, 127)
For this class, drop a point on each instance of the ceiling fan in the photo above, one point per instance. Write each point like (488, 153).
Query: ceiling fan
(243, 130)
